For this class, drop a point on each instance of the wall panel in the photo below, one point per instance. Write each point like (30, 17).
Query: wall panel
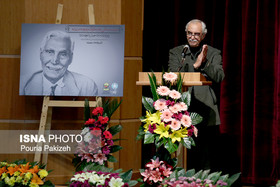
(11, 16)
(131, 106)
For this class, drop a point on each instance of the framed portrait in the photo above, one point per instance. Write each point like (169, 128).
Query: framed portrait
(72, 60)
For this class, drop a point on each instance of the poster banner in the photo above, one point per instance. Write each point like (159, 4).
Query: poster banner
(72, 60)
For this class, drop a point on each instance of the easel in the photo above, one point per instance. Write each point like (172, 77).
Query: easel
(48, 104)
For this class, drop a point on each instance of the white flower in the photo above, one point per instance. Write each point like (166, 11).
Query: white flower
(97, 179)
(85, 130)
(88, 137)
(116, 182)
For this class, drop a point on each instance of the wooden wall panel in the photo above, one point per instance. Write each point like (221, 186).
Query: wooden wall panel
(74, 11)
(11, 104)
(130, 155)
(11, 16)
(131, 106)
(132, 17)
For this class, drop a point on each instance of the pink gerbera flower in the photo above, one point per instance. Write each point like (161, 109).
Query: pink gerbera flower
(166, 115)
(163, 90)
(183, 105)
(175, 124)
(171, 77)
(160, 104)
(175, 94)
(186, 120)
(175, 108)
(195, 131)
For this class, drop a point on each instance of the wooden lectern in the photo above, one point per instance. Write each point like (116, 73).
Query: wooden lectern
(189, 79)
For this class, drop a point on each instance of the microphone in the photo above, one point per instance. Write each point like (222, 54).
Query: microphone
(184, 53)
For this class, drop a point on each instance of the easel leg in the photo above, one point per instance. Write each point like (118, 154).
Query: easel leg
(42, 127)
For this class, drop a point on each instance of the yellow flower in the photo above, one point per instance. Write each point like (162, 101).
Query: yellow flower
(4, 175)
(17, 173)
(28, 176)
(25, 181)
(11, 181)
(162, 130)
(178, 135)
(43, 173)
(18, 179)
(33, 185)
(151, 119)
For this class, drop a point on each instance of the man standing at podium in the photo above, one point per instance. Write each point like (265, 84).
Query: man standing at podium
(199, 57)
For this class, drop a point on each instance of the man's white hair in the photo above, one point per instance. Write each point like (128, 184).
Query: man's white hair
(204, 29)
(56, 34)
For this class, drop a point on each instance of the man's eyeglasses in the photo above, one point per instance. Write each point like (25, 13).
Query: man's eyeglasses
(196, 34)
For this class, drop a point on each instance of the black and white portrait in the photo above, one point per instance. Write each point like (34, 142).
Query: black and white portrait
(72, 60)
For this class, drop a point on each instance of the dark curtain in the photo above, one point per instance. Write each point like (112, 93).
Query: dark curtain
(247, 32)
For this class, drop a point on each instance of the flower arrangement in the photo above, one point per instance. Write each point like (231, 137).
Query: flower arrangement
(203, 178)
(22, 173)
(167, 122)
(155, 171)
(98, 144)
(102, 178)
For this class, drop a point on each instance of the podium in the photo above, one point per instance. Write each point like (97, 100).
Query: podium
(189, 79)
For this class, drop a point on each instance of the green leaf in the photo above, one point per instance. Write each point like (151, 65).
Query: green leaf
(97, 167)
(216, 177)
(193, 142)
(171, 147)
(196, 118)
(233, 178)
(186, 142)
(47, 184)
(159, 142)
(198, 174)
(111, 158)
(148, 103)
(149, 138)
(110, 106)
(205, 174)
(186, 98)
(126, 176)
(115, 148)
(153, 85)
(179, 83)
(224, 177)
(132, 183)
(2, 184)
(190, 173)
(86, 110)
(115, 129)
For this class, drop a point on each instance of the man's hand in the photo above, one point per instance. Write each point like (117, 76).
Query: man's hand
(201, 57)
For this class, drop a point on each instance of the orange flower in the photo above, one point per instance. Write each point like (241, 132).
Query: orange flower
(3, 170)
(24, 168)
(12, 170)
(36, 180)
(35, 169)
